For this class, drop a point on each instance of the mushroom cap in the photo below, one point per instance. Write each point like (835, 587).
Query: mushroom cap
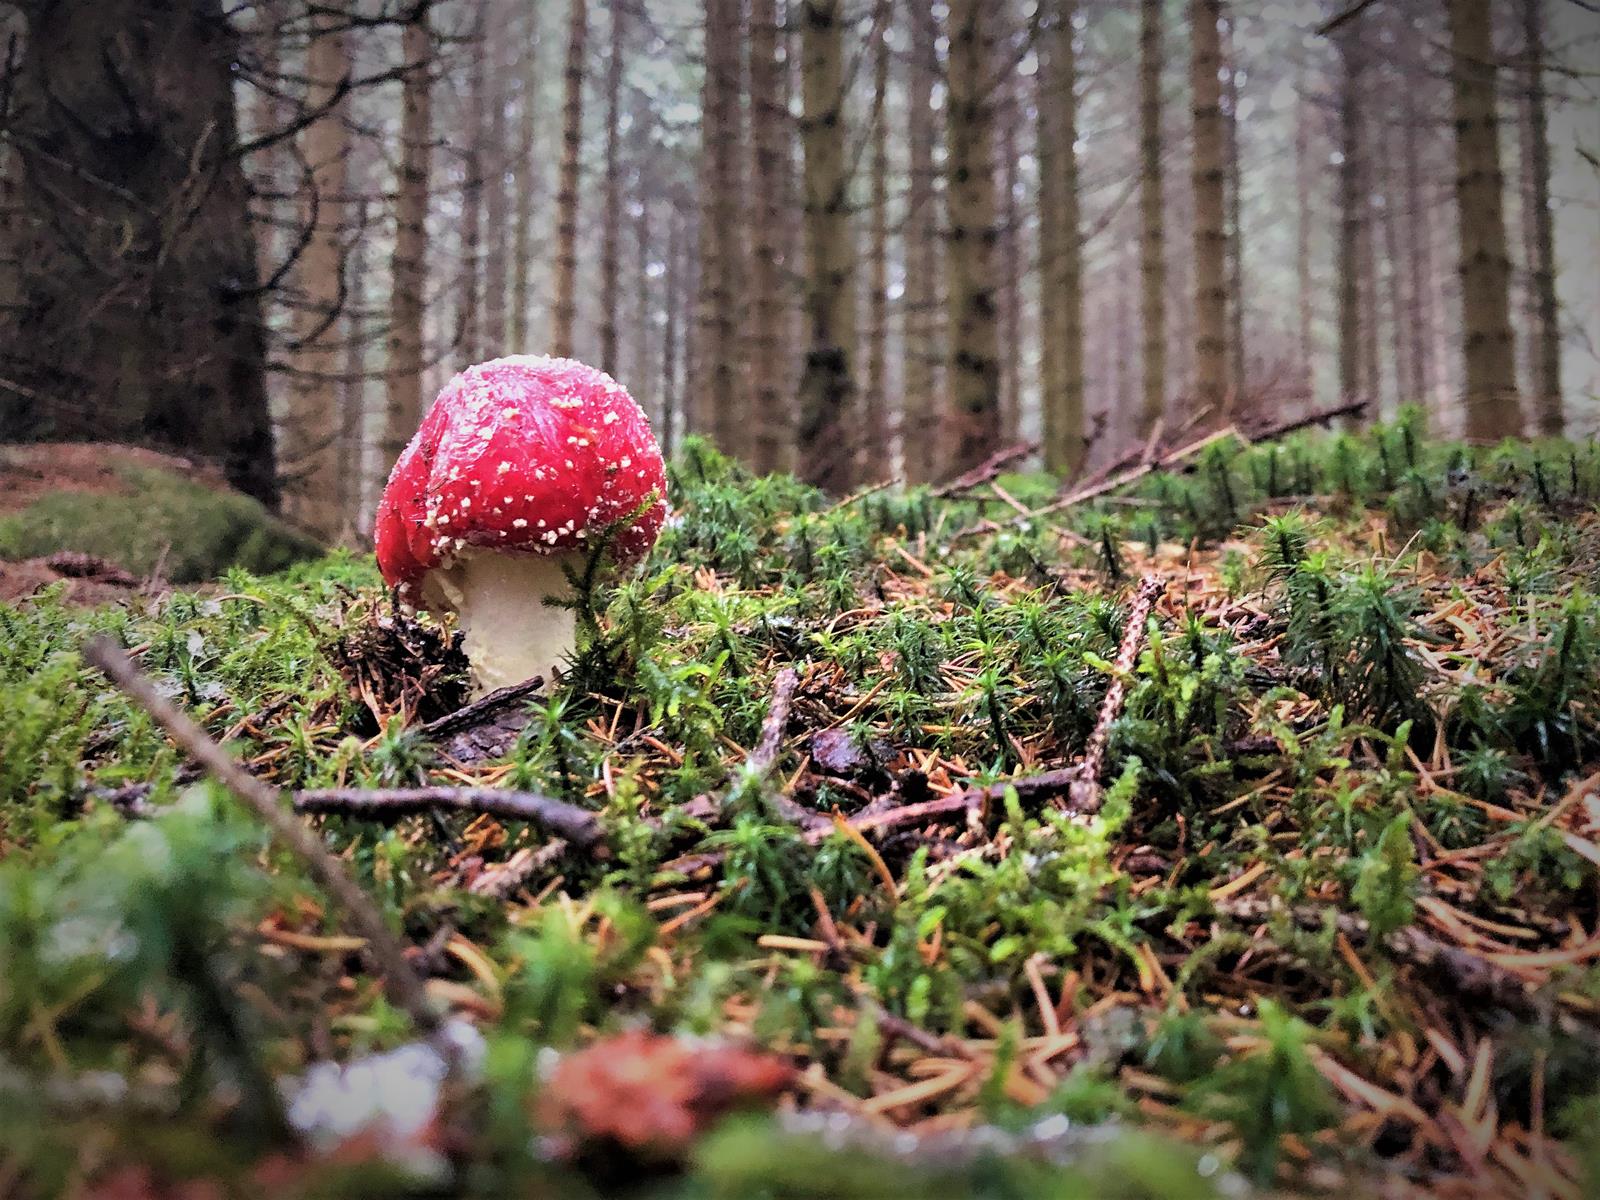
(521, 455)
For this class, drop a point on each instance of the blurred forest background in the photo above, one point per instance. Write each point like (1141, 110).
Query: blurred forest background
(851, 238)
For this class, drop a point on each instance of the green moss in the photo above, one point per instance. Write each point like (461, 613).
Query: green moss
(190, 531)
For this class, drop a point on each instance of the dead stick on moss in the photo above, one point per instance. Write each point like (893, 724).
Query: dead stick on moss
(577, 825)
(383, 949)
(765, 754)
(988, 469)
(1085, 792)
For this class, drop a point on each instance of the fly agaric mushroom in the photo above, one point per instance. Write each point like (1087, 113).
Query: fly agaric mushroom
(519, 468)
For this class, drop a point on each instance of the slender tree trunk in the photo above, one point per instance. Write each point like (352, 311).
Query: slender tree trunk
(529, 179)
(564, 310)
(611, 204)
(1061, 254)
(1546, 333)
(408, 265)
(673, 286)
(1489, 353)
(721, 254)
(132, 312)
(1352, 210)
(827, 385)
(772, 418)
(974, 432)
(1210, 220)
(1008, 253)
(1419, 255)
(311, 428)
(353, 382)
(641, 375)
(472, 196)
(1238, 382)
(494, 160)
(922, 374)
(1302, 248)
(874, 455)
(1152, 236)
(1400, 308)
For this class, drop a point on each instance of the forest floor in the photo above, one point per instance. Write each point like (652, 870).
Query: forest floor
(1233, 832)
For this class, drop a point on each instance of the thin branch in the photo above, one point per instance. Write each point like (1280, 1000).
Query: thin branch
(383, 949)
(1085, 793)
(1343, 17)
(577, 825)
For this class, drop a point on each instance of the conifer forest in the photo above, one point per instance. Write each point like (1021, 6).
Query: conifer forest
(799, 599)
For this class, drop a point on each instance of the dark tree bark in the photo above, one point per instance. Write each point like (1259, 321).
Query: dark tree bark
(1542, 244)
(924, 355)
(564, 312)
(1152, 230)
(714, 408)
(974, 428)
(1210, 220)
(770, 372)
(1352, 209)
(136, 313)
(408, 265)
(1488, 347)
(827, 386)
(1060, 248)
(611, 203)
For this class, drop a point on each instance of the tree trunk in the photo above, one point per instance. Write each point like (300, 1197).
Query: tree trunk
(921, 373)
(564, 310)
(721, 259)
(353, 379)
(496, 201)
(311, 427)
(974, 431)
(673, 286)
(1210, 213)
(874, 435)
(1238, 381)
(1352, 210)
(611, 204)
(1489, 354)
(1302, 248)
(135, 315)
(1152, 236)
(771, 418)
(1061, 251)
(641, 375)
(1546, 334)
(408, 265)
(1419, 255)
(470, 322)
(827, 385)
(1008, 252)
(529, 180)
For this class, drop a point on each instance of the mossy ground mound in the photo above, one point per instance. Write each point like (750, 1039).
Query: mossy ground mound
(147, 513)
(1332, 919)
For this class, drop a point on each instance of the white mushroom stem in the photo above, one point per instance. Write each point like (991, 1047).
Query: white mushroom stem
(509, 632)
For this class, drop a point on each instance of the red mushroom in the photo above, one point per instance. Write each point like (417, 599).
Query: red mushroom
(519, 467)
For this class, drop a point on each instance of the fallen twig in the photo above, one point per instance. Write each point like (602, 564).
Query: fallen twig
(1085, 793)
(501, 880)
(578, 825)
(985, 471)
(765, 755)
(384, 951)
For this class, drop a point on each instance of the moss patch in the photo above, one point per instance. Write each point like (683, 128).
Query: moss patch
(190, 530)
